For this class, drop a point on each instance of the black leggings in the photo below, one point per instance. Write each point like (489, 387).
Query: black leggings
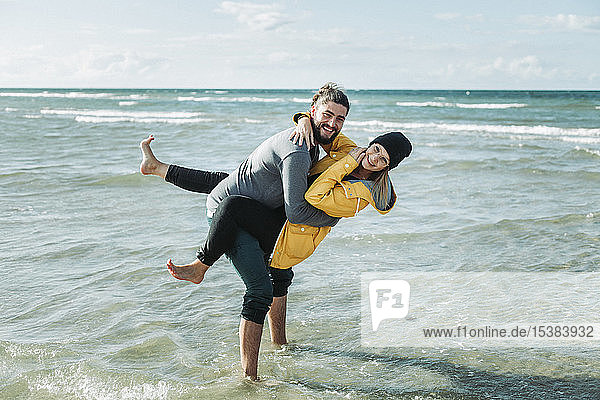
(232, 214)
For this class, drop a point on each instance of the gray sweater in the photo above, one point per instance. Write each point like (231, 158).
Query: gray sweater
(275, 174)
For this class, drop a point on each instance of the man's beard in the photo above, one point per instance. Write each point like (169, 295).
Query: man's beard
(319, 137)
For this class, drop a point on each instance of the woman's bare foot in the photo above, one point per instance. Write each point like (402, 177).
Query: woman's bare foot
(150, 164)
(193, 272)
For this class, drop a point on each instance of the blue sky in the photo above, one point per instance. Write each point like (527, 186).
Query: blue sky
(300, 44)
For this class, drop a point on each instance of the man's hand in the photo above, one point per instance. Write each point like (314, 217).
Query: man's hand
(358, 153)
(303, 133)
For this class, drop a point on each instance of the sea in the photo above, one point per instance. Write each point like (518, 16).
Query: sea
(498, 181)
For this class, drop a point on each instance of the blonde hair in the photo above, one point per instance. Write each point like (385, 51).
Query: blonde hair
(381, 186)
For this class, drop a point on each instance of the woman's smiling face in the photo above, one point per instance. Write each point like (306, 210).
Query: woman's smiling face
(376, 158)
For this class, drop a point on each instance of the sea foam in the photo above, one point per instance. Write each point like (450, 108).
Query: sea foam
(579, 135)
(70, 95)
(118, 113)
(74, 95)
(460, 105)
(99, 120)
(232, 99)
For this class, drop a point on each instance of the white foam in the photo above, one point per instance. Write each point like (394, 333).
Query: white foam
(70, 95)
(117, 113)
(298, 100)
(232, 99)
(590, 151)
(258, 100)
(253, 121)
(10, 109)
(375, 124)
(422, 104)
(29, 116)
(582, 140)
(597, 107)
(526, 129)
(127, 103)
(577, 135)
(77, 382)
(491, 106)
(75, 95)
(460, 105)
(216, 91)
(100, 120)
(132, 97)
(191, 98)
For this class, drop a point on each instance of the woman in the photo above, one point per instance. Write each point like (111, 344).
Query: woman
(340, 188)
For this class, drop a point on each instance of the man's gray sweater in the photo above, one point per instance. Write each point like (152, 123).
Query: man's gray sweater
(275, 174)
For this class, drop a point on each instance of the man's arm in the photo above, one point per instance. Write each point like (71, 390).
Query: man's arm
(294, 169)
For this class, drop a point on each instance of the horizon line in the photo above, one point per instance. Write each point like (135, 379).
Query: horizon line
(311, 89)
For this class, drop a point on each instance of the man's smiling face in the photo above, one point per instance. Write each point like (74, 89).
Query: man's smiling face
(327, 121)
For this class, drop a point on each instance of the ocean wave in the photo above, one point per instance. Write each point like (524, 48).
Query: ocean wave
(83, 382)
(132, 97)
(10, 109)
(117, 113)
(525, 129)
(253, 121)
(127, 103)
(460, 105)
(588, 151)
(74, 95)
(232, 99)
(100, 120)
(69, 95)
(299, 100)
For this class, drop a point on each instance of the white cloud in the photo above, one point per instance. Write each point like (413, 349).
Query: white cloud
(83, 68)
(562, 22)
(261, 17)
(99, 63)
(528, 67)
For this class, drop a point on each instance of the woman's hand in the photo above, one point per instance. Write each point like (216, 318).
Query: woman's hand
(303, 133)
(358, 153)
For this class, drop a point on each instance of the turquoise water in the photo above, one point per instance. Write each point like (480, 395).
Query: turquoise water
(498, 181)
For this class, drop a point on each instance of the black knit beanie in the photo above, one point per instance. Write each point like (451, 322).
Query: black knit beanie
(397, 146)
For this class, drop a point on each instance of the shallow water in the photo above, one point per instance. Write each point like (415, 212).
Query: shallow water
(498, 181)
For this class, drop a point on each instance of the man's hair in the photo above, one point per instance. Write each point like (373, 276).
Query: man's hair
(331, 92)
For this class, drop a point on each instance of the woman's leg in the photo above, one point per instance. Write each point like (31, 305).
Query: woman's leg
(235, 214)
(241, 213)
(194, 180)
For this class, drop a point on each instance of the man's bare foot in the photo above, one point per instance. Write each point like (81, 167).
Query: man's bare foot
(193, 272)
(150, 164)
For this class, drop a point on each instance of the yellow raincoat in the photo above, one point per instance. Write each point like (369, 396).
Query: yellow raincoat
(333, 196)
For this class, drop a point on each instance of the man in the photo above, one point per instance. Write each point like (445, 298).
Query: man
(275, 174)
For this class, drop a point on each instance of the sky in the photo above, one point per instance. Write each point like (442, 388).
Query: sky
(377, 44)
